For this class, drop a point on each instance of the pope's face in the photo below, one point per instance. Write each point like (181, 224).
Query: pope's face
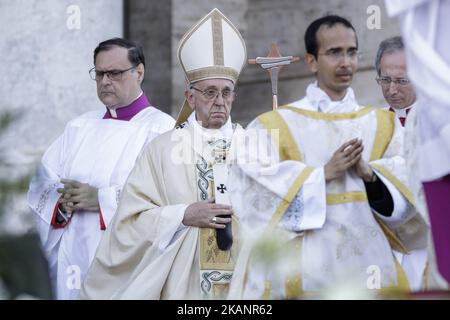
(121, 92)
(336, 60)
(211, 101)
(393, 66)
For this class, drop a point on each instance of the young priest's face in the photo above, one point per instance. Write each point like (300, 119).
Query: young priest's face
(336, 61)
(121, 87)
(211, 101)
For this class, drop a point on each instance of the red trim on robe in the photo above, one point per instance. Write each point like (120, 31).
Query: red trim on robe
(102, 222)
(55, 224)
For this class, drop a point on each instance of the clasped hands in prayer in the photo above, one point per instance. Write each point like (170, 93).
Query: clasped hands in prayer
(349, 156)
(207, 214)
(78, 196)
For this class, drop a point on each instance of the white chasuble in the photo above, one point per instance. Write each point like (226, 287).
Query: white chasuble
(100, 152)
(148, 253)
(301, 235)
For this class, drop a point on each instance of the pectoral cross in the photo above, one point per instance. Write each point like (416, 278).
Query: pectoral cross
(273, 63)
(222, 188)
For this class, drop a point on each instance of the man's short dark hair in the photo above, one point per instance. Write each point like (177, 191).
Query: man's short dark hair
(135, 52)
(311, 42)
(389, 45)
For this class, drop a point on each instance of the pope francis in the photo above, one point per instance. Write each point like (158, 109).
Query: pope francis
(162, 242)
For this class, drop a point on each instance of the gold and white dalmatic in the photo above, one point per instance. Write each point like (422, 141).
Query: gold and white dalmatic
(148, 253)
(318, 234)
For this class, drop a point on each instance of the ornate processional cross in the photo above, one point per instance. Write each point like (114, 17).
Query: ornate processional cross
(273, 63)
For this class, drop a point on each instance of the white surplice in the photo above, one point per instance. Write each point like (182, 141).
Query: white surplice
(280, 190)
(100, 152)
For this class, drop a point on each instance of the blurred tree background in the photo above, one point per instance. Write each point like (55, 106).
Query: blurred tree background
(23, 267)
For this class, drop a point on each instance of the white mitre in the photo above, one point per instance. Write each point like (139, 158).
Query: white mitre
(213, 48)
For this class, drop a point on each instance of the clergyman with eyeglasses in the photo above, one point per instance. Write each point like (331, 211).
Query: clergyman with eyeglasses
(164, 242)
(399, 93)
(392, 74)
(76, 190)
(337, 202)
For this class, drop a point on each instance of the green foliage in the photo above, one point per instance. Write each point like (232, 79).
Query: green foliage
(23, 267)
(6, 119)
(9, 188)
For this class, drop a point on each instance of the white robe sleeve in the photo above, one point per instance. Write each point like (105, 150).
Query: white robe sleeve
(308, 209)
(173, 229)
(260, 184)
(402, 208)
(108, 198)
(42, 196)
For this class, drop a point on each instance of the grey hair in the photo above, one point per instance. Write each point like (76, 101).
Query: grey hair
(389, 45)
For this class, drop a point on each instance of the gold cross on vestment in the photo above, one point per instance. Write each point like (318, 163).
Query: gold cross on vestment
(273, 63)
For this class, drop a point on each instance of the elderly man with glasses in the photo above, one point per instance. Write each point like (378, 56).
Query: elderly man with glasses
(76, 190)
(390, 64)
(169, 238)
(392, 73)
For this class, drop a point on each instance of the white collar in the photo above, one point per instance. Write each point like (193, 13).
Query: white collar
(224, 132)
(404, 111)
(321, 102)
